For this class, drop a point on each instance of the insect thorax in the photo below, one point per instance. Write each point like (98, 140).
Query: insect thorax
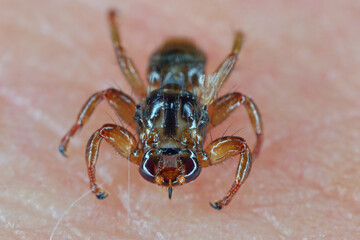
(171, 118)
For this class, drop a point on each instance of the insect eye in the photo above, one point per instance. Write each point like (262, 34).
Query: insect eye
(149, 165)
(191, 166)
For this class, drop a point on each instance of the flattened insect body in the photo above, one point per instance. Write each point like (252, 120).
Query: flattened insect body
(177, 109)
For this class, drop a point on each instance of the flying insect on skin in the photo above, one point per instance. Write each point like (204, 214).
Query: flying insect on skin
(177, 109)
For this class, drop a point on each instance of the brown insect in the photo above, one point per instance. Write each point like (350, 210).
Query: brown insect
(172, 119)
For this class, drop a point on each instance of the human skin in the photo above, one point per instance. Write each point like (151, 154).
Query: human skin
(299, 63)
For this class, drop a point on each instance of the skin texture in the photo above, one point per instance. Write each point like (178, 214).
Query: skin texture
(299, 63)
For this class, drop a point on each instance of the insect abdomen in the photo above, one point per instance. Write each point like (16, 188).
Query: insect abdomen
(177, 64)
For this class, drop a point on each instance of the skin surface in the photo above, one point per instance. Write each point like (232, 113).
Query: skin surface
(299, 63)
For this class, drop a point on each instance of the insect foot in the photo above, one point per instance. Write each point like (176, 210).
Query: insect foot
(216, 205)
(100, 193)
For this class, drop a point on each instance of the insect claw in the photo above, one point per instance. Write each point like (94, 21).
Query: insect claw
(101, 195)
(62, 150)
(216, 205)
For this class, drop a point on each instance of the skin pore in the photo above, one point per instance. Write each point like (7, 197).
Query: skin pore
(299, 63)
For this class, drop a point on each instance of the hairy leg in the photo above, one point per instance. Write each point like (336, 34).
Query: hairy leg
(220, 110)
(123, 105)
(214, 82)
(232, 57)
(123, 142)
(126, 64)
(221, 150)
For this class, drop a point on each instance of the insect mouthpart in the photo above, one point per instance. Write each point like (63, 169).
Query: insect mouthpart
(169, 167)
(170, 192)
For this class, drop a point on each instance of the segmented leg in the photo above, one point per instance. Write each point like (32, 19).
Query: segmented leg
(220, 150)
(124, 106)
(214, 82)
(222, 107)
(232, 57)
(123, 142)
(126, 64)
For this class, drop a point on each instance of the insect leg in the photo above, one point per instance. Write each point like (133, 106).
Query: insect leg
(220, 150)
(230, 60)
(222, 107)
(124, 106)
(127, 66)
(214, 82)
(123, 142)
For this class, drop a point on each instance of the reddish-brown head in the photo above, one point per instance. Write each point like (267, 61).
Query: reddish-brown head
(169, 167)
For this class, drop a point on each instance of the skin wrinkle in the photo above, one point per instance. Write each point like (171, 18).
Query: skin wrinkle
(275, 225)
(283, 64)
(327, 121)
(329, 234)
(37, 114)
(314, 185)
(321, 193)
(270, 218)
